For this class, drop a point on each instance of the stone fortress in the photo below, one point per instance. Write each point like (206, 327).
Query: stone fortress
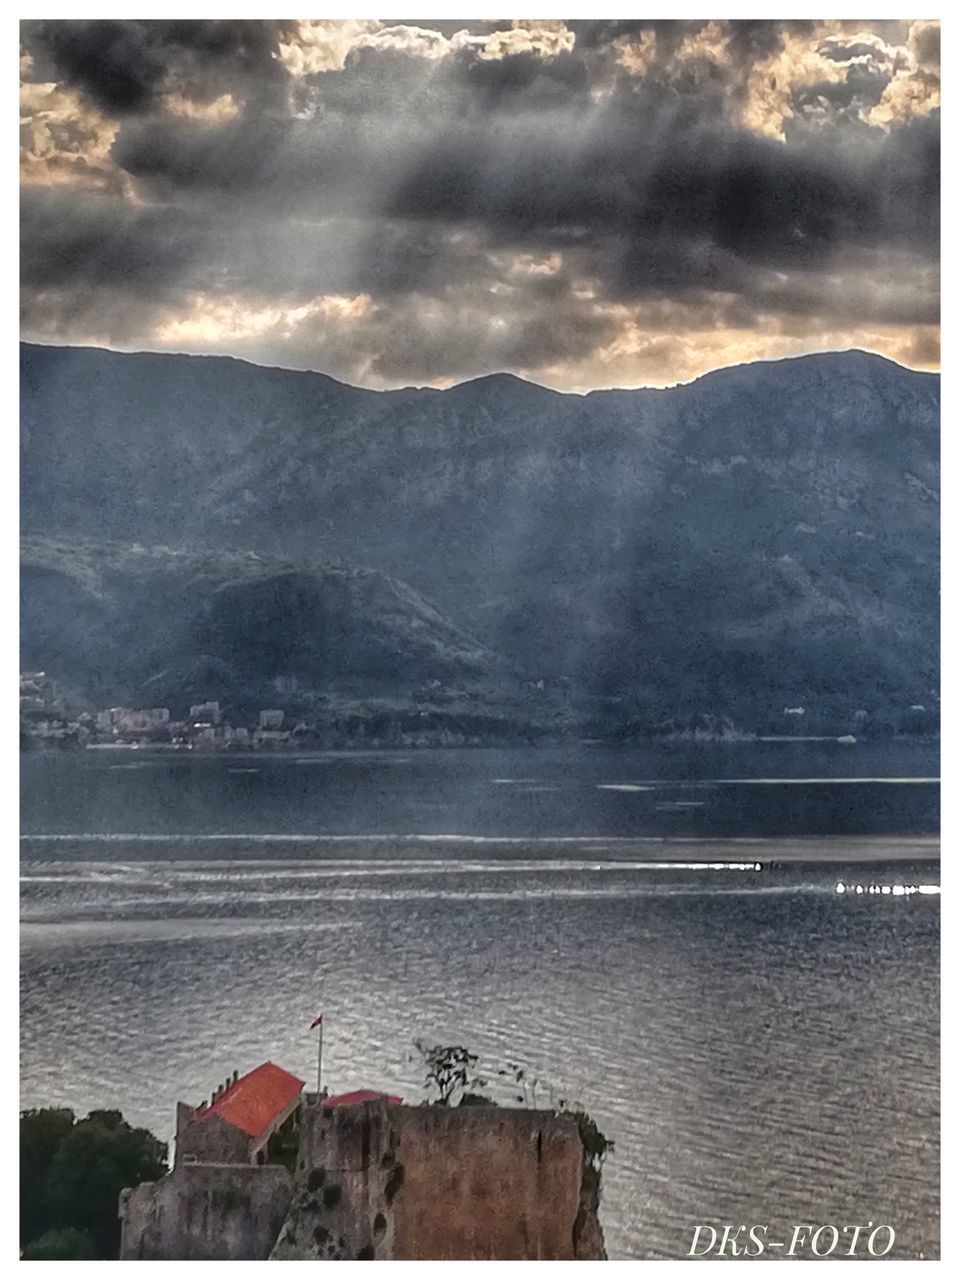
(264, 1170)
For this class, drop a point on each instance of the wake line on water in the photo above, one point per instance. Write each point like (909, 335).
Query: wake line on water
(659, 785)
(54, 917)
(809, 782)
(140, 837)
(100, 873)
(257, 837)
(432, 895)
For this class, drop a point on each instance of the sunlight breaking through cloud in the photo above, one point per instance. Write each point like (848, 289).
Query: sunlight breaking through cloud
(587, 203)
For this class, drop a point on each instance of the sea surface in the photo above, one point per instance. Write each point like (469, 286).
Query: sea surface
(729, 955)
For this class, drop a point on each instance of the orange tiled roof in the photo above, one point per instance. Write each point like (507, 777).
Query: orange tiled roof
(361, 1095)
(256, 1099)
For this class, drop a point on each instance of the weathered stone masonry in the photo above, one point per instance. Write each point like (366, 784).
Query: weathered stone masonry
(435, 1183)
(206, 1212)
(379, 1181)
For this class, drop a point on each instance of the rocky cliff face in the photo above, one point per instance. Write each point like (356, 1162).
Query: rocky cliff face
(433, 1183)
(765, 534)
(381, 1182)
(205, 1213)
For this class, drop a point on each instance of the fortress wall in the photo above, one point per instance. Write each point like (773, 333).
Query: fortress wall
(432, 1183)
(483, 1182)
(211, 1141)
(206, 1213)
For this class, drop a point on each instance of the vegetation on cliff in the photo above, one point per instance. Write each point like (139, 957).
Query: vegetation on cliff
(449, 1075)
(451, 1079)
(71, 1175)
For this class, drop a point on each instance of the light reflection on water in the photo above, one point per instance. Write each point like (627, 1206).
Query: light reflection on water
(760, 1047)
(896, 890)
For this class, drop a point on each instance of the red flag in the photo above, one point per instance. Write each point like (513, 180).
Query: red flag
(316, 1022)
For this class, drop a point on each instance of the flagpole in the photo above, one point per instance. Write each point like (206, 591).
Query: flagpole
(319, 1054)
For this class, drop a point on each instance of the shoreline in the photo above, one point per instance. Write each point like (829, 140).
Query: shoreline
(35, 745)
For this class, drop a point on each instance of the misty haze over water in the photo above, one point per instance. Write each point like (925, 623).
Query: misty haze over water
(656, 934)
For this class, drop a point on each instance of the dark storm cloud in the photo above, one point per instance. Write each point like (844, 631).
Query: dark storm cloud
(524, 81)
(124, 65)
(90, 240)
(642, 170)
(114, 62)
(633, 166)
(87, 240)
(927, 44)
(753, 40)
(596, 33)
(421, 180)
(600, 34)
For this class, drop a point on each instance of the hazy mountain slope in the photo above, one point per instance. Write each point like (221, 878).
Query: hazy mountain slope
(766, 533)
(117, 621)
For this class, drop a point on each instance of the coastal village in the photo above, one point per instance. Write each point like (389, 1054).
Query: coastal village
(205, 725)
(436, 716)
(47, 719)
(433, 714)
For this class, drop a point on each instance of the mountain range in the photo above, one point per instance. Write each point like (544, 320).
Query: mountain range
(764, 537)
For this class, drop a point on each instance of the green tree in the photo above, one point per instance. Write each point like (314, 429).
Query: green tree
(449, 1070)
(41, 1133)
(72, 1175)
(450, 1073)
(97, 1159)
(60, 1246)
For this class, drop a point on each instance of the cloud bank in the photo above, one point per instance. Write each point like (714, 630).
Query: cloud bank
(584, 203)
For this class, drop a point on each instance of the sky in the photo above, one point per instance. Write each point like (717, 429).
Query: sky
(397, 202)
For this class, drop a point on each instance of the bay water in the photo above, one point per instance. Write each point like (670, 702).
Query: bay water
(729, 955)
